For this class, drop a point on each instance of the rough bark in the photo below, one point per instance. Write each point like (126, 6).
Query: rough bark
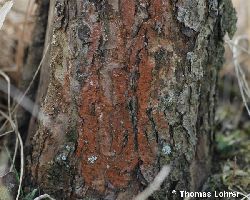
(131, 88)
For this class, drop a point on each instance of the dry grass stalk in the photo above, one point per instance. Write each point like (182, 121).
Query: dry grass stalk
(155, 185)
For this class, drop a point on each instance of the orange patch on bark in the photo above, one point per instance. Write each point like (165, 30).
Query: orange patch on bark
(128, 14)
(106, 144)
(146, 148)
(156, 9)
(107, 140)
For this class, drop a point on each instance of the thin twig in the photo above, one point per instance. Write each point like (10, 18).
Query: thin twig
(243, 84)
(6, 77)
(14, 156)
(44, 196)
(19, 102)
(7, 133)
(155, 185)
(14, 126)
(245, 196)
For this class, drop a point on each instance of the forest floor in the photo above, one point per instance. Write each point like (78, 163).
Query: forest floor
(231, 171)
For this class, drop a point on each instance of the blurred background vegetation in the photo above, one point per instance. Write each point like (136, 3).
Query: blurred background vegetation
(232, 152)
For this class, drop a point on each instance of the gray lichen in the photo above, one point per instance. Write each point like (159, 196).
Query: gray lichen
(192, 13)
(64, 154)
(92, 159)
(62, 171)
(166, 150)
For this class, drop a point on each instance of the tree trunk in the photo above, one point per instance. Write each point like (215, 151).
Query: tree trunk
(131, 86)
